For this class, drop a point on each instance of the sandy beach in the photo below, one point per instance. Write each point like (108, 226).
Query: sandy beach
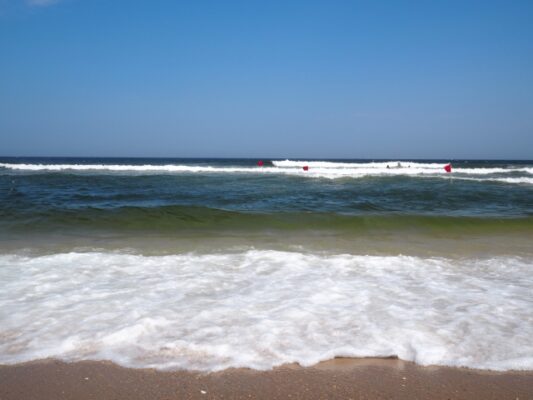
(339, 378)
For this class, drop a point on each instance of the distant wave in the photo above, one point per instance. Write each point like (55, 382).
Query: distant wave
(122, 167)
(528, 181)
(317, 169)
(396, 166)
(347, 164)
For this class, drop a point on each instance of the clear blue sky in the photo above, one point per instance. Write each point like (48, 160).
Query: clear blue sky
(361, 79)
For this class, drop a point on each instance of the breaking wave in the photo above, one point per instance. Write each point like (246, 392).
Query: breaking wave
(316, 169)
(260, 309)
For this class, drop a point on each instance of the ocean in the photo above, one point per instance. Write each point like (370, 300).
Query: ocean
(208, 264)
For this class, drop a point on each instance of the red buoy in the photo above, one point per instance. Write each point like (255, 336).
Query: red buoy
(448, 167)
(260, 163)
(306, 168)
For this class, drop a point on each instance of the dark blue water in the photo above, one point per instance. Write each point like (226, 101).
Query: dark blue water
(152, 194)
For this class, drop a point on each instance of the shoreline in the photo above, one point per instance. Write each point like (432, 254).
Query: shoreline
(367, 378)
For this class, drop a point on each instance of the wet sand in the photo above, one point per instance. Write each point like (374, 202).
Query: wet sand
(340, 378)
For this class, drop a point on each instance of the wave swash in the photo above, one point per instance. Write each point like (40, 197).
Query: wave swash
(260, 309)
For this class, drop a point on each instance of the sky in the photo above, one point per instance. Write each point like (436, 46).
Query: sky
(295, 79)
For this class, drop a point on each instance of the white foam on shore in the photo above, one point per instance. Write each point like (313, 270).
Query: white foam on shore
(260, 309)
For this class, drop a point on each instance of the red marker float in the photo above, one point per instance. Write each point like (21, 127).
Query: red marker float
(260, 163)
(305, 168)
(448, 168)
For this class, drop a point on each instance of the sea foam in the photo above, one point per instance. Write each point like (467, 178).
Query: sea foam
(260, 309)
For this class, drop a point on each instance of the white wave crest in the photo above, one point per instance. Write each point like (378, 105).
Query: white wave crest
(527, 181)
(351, 165)
(392, 167)
(122, 168)
(260, 309)
(317, 169)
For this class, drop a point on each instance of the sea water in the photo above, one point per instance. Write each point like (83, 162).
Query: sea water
(207, 264)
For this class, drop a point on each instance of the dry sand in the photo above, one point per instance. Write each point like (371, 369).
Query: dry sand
(340, 378)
